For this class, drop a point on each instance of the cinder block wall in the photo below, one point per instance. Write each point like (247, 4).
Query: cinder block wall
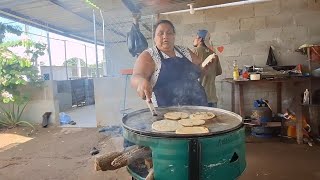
(246, 32)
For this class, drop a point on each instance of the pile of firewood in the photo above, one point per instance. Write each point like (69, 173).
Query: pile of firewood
(116, 160)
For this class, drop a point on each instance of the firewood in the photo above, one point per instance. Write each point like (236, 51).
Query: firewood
(116, 160)
(129, 156)
(150, 176)
(103, 162)
(148, 163)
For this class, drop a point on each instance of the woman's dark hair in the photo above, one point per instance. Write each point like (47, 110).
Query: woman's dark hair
(163, 22)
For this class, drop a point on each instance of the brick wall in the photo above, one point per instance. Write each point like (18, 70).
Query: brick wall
(247, 31)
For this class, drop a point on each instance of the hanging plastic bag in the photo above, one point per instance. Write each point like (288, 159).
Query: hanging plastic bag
(271, 61)
(136, 41)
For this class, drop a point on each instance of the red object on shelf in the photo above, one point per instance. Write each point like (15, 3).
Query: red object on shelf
(126, 71)
(245, 75)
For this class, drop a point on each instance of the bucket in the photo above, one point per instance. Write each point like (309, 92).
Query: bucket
(263, 115)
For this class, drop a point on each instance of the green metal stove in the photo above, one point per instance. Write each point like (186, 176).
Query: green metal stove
(217, 155)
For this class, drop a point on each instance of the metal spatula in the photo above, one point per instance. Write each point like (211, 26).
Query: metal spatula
(151, 107)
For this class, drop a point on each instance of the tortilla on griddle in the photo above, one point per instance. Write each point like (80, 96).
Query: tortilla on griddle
(176, 115)
(166, 125)
(192, 130)
(202, 115)
(191, 122)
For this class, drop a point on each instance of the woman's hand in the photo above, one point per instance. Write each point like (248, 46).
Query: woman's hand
(144, 89)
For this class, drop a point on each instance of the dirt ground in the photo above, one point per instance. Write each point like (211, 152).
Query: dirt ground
(56, 154)
(63, 154)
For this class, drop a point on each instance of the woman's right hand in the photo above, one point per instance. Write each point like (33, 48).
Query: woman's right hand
(144, 89)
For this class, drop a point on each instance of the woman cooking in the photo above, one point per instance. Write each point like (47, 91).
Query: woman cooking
(171, 72)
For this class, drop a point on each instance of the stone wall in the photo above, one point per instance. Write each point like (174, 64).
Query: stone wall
(246, 32)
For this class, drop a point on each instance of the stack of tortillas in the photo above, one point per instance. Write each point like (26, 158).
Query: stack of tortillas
(185, 125)
(170, 122)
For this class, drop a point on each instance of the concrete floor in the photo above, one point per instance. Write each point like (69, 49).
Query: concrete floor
(84, 116)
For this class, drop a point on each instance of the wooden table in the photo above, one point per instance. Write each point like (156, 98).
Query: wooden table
(240, 84)
(278, 82)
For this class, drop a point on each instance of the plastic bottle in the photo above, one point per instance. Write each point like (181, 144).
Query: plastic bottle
(235, 70)
(306, 97)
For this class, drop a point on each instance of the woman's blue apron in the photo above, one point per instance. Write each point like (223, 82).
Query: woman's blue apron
(178, 83)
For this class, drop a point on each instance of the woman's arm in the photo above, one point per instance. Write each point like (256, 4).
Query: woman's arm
(142, 72)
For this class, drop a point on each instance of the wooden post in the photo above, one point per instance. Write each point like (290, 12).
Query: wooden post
(299, 124)
(279, 97)
(241, 98)
(233, 96)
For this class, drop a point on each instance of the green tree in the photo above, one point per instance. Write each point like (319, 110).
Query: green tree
(74, 61)
(4, 28)
(100, 65)
(15, 72)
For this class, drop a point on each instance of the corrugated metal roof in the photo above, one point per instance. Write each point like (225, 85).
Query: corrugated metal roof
(74, 19)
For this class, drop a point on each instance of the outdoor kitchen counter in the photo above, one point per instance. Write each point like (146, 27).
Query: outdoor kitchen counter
(279, 82)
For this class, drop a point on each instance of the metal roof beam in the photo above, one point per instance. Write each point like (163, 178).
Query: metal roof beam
(58, 3)
(7, 13)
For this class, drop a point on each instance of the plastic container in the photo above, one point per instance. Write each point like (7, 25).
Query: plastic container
(306, 97)
(236, 75)
(255, 77)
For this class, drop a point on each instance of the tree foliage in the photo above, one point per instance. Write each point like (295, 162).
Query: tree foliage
(16, 71)
(4, 28)
(74, 61)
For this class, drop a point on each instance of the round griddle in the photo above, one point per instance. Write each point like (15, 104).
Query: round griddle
(140, 121)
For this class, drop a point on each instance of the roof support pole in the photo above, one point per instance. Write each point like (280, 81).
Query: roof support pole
(49, 54)
(65, 58)
(86, 58)
(95, 43)
(105, 62)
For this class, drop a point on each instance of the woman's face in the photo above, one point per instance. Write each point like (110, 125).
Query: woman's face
(164, 37)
